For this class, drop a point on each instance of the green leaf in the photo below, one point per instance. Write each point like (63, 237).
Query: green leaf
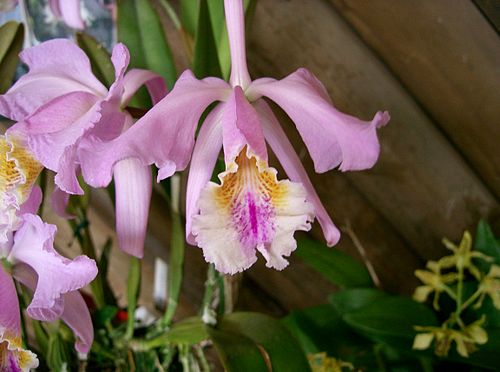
(205, 59)
(283, 351)
(350, 300)
(100, 60)
(486, 243)
(334, 265)
(60, 354)
(189, 15)
(189, 331)
(391, 320)
(104, 315)
(11, 43)
(139, 28)
(238, 353)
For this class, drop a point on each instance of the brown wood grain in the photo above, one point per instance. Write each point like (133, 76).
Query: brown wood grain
(421, 184)
(447, 55)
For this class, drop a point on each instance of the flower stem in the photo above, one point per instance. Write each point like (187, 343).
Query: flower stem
(209, 315)
(133, 286)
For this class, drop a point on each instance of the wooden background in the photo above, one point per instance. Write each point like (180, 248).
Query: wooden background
(434, 65)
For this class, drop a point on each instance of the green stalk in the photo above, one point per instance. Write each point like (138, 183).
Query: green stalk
(176, 257)
(133, 288)
(209, 315)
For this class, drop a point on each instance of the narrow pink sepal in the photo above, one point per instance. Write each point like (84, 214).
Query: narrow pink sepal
(332, 137)
(76, 315)
(164, 136)
(49, 77)
(135, 78)
(59, 202)
(10, 316)
(133, 187)
(241, 127)
(56, 275)
(205, 153)
(281, 146)
(33, 202)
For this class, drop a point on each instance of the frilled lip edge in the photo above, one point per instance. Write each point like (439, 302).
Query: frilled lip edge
(14, 345)
(272, 253)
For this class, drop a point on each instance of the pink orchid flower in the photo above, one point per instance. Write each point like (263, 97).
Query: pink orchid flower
(28, 256)
(61, 107)
(250, 210)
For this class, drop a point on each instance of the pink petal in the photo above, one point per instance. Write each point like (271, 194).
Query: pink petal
(33, 202)
(164, 136)
(235, 20)
(76, 315)
(281, 146)
(59, 202)
(10, 316)
(133, 194)
(207, 148)
(135, 78)
(241, 127)
(57, 67)
(70, 13)
(54, 132)
(57, 275)
(332, 137)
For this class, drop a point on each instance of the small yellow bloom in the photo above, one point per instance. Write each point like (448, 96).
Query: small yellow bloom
(433, 281)
(321, 362)
(490, 285)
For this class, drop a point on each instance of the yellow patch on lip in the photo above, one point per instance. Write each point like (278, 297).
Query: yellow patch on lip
(18, 169)
(250, 175)
(11, 352)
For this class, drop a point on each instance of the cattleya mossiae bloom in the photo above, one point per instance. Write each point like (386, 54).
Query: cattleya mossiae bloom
(62, 108)
(28, 256)
(250, 210)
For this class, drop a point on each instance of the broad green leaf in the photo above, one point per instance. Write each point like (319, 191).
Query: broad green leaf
(140, 29)
(205, 59)
(104, 315)
(239, 353)
(102, 267)
(11, 43)
(60, 354)
(189, 15)
(282, 349)
(321, 329)
(334, 265)
(486, 243)
(391, 320)
(350, 300)
(100, 60)
(189, 331)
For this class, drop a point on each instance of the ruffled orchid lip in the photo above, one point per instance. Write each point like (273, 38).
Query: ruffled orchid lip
(250, 211)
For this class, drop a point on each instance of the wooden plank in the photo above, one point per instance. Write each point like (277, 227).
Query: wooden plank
(448, 56)
(421, 184)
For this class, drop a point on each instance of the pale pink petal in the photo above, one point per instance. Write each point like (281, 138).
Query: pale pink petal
(54, 132)
(76, 315)
(57, 67)
(71, 14)
(241, 127)
(12, 356)
(56, 275)
(251, 210)
(33, 202)
(281, 146)
(164, 136)
(10, 321)
(135, 78)
(133, 187)
(332, 137)
(235, 20)
(207, 148)
(59, 202)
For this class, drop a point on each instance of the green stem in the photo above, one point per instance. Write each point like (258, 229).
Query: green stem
(208, 313)
(88, 249)
(133, 287)
(176, 256)
(458, 299)
(471, 299)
